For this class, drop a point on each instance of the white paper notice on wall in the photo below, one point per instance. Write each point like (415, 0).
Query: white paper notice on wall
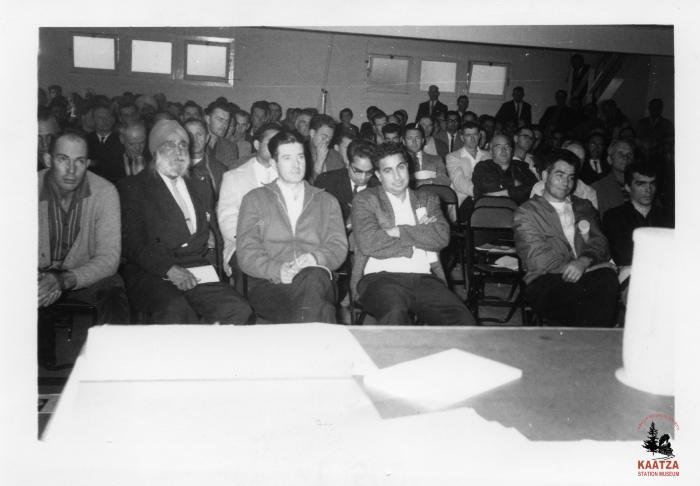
(440, 380)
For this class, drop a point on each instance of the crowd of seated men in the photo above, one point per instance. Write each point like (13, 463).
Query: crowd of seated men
(165, 212)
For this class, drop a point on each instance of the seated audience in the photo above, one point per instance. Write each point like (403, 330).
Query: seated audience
(341, 140)
(560, 243)
(345, 183)
(346, 120)
(398, 235)
(275, 112)
(461, 164)
(523, 141)
(259, 170)
(322, 156)
(79, 233)
(259, 115)
(290, 237)
(47, 131)
(450, 136)
(218, 116)
(135, 157)
(501, 175)
(433, 146)
(168, 221)
(105, 149)
(611, 188)
(238, 133)
(425, 168)
(640, 211)
(191, 110)
(581, 189)
(595, 166)
(391, 132)
(302, 122)
(205, 166)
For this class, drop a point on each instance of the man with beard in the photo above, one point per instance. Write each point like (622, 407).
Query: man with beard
(168, 220)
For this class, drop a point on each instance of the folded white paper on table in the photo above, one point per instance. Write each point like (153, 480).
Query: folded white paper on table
(204, 274)
(440, 380)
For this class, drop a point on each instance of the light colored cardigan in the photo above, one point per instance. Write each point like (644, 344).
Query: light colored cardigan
(97, 248)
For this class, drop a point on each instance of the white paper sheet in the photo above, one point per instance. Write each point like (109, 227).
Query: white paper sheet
(204, 274)
(440, 380)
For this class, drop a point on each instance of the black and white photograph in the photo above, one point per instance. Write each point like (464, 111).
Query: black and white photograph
(350, 243)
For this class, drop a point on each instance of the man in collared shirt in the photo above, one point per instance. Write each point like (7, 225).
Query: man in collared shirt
(290, 237)
(218, 116)
(426, 168)
(204, 165)
(168, 224)
(460, 167)
(611, 188)
(398, 235)
(79, 236)
(345, 183)
(258, 170)
(564, 252)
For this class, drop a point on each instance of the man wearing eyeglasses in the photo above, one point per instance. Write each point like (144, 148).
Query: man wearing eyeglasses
(79, 238)
(170, 238)
(345, 183)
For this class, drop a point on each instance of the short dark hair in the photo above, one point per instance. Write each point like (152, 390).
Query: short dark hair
(378, 114)
(519, 88)
(641, 168)
(318, 121)
(266, 127)
(524, 127)
(470, 125)
(391, 128)
(68, 133)
(414, 126)
(346, 110)
(284, 137)
(454, 113)
(462, 96)
(309, 111)
(219, 103)
(191, 103)
(560, 155)
(341, 132)
(261, 105)
(361, 148)
(384, 150)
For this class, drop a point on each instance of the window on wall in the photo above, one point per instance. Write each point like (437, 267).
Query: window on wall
(388, 73)
(152, 57)
(488, 78)
(208, 61)
(95, 52)
(441, 74)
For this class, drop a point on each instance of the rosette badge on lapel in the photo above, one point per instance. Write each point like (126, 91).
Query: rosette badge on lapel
(584, 228)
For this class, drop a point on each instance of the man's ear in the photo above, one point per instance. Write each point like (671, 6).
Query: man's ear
(46, 159)
(544, 175)
(256, 145)
(312, 133)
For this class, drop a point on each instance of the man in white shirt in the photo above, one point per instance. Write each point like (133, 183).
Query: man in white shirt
(461, 163)
(523, 141)
(564, 251)
(290, 237)
(399, 234)
(258, 170)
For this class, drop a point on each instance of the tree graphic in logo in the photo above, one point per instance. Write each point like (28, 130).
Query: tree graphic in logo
(657, 445)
